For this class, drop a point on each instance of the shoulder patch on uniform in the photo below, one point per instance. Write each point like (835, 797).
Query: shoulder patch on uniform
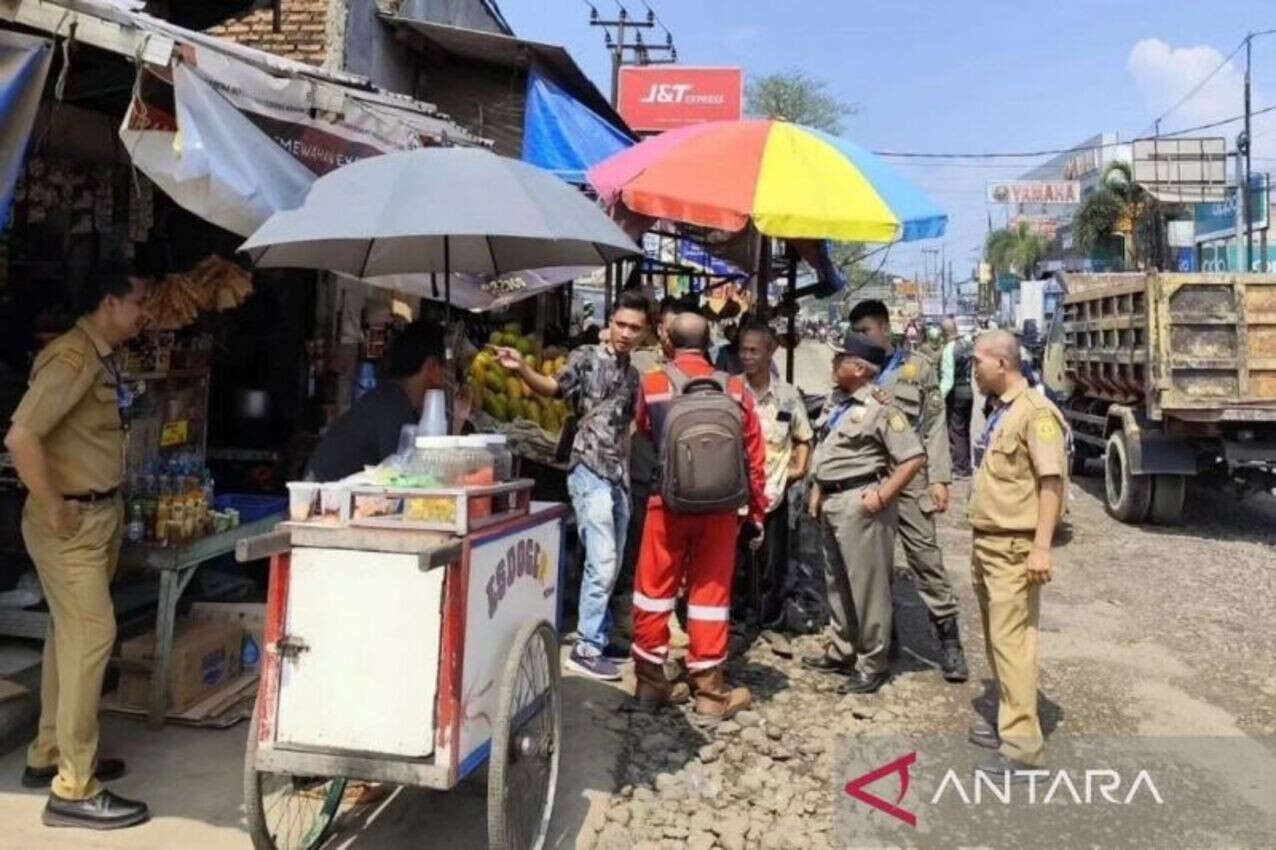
(881, 396)
(896, 421)
(908, 371)
(1046, 427)
(857, 413)
(70, 358)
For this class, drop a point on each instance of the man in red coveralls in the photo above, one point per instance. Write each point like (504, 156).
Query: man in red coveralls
(697, 547)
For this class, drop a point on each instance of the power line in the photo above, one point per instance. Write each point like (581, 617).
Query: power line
(1198, 86)
(657, 17)
(1053, 151)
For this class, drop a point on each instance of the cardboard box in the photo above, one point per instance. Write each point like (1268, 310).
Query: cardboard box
(251, 617)
(205, 656)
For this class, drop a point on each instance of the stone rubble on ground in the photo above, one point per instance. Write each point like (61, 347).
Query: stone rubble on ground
(760, 781)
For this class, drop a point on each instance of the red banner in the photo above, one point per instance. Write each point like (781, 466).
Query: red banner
(652, 98)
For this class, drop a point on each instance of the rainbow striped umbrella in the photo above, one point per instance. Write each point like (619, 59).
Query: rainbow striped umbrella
(790, 181)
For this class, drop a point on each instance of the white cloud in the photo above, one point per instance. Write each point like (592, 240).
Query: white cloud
(1164, 74)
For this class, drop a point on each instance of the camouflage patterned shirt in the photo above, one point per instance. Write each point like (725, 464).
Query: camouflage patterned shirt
(601, 388)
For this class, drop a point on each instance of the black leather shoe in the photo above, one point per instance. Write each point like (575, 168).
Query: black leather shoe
(824, 663)
(998, 765)
(864, 683)
(983, 734)
(42, 777)
(103, 811)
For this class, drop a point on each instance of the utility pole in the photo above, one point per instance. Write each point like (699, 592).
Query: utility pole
(1156, 164)
(1240, 215)
(640, 51)
(1249, 213)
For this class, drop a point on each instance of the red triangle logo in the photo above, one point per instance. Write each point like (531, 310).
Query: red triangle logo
(855, 788)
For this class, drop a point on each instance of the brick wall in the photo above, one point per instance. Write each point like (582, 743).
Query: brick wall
(303, 33)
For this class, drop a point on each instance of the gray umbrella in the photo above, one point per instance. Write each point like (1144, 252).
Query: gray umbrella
(439, 209)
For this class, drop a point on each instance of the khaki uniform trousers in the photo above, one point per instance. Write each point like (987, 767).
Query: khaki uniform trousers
(921, 548)
(76, 574)
(1010, 609)
(858, 550)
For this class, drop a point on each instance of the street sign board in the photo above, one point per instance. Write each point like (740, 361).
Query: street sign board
(1217, 220)
(1007, 282)
(1181, 171)
(1034, 192)
(653, 98)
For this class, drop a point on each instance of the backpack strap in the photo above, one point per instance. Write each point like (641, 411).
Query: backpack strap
(678, 379)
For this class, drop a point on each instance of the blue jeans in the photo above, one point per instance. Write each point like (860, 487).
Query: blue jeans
(602, 518)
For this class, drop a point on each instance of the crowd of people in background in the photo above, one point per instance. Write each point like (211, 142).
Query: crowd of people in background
(681, 468)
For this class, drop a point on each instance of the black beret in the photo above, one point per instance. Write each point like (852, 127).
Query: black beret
(858, 345)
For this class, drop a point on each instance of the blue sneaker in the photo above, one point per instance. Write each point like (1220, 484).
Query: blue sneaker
(593, 666)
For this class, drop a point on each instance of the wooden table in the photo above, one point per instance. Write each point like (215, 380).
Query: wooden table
(176, 566)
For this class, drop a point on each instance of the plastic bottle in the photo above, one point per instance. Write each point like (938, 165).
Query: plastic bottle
(149, 503)
(367, 380)
(163, 507)
(136, 522)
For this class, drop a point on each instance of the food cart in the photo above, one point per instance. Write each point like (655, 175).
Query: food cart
(412, 658)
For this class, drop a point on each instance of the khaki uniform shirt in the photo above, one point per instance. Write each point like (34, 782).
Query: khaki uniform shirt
(914, 388)
(864, 435)
(1027, 445)
(782, 414)
(71, 406)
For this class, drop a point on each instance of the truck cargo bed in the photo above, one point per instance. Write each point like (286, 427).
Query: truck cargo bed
(1194, 347)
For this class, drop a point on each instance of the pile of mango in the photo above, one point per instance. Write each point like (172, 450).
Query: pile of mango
(506, 397)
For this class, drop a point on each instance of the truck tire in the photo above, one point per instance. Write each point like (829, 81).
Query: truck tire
(1128, 496)
(1168, 493)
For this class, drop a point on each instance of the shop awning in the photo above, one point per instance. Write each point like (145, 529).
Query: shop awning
(24, 65)
(232, 133)
(562, 135)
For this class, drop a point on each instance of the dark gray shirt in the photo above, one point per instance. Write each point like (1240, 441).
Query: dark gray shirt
(602, 389)
(364, 435)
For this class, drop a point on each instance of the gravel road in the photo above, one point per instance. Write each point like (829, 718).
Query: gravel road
(1157, 654)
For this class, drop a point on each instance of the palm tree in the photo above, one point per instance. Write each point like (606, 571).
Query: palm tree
(1015, 249)
(1119, 206)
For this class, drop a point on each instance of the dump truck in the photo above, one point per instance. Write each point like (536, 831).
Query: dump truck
(1167, 376)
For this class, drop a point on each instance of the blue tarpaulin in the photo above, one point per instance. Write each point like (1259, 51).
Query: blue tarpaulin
(24, 64)
(562, 135)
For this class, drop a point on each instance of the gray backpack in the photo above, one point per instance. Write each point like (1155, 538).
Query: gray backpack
(703, 463)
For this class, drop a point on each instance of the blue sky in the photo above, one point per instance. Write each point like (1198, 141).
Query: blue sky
(961, 75)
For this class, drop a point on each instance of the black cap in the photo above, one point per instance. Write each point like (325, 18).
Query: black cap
(858, 345)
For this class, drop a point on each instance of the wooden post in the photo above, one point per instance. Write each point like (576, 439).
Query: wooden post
(789, 365)
(611, 271)
(764, 274)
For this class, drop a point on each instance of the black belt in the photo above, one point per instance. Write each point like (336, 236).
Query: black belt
(92, 496)
(828, 488)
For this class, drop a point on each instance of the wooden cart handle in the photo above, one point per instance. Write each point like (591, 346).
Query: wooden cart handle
(263, 546)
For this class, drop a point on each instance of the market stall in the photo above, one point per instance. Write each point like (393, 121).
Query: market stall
(129, 139)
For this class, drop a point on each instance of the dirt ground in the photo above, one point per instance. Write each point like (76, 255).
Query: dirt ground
(1158, 653)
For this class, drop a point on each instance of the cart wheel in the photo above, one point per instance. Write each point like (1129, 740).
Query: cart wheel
(287, 812)
(523, 766)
